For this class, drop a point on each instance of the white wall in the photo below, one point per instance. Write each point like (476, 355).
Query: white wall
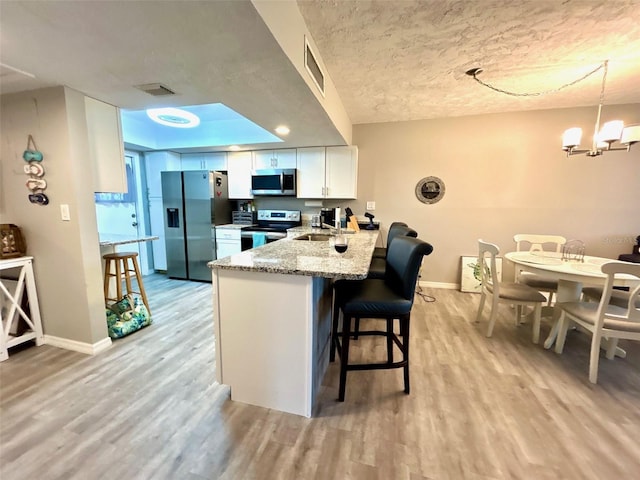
(66, 255)
(504, 174)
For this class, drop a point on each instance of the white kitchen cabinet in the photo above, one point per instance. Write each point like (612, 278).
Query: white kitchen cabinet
(282, 158)
(330, 172)
(106, 148)
(204, 161)
(341, 175)
(239, 166)
(191, 161)
(215, 161)
(156, 162)
(311, 172)
(228, 242)
(156, 220)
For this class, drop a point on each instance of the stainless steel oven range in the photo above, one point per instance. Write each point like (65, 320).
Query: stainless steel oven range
(272, 225)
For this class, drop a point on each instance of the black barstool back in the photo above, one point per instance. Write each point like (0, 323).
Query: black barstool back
(404, 259)
(381, 252)
(378, 265)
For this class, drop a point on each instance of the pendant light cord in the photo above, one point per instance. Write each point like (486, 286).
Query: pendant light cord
(475, 71)
(604, 79)
(596, 129)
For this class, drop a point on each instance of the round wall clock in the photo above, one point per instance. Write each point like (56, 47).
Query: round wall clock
(430, 190)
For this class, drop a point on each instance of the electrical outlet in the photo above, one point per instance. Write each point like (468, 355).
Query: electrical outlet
(371, 206)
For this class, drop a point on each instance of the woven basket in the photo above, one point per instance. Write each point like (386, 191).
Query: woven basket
(11, 241)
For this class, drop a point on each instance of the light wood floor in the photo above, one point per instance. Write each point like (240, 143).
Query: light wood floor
(149, 408)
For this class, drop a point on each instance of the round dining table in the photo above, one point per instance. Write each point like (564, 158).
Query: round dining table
(571, 276)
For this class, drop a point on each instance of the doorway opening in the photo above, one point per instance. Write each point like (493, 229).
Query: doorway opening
(123, 214)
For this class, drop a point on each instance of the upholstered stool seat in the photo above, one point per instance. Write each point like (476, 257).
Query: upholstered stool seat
(125, 265)
(372, 297)
(389, 299)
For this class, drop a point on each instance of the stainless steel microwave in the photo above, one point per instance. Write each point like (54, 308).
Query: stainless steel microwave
(278, 181)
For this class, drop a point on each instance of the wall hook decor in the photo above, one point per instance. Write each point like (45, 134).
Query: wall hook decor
(32, 154)
(34, 169)
(36, 184)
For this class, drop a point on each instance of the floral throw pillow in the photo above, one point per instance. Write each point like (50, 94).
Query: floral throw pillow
(127, 316)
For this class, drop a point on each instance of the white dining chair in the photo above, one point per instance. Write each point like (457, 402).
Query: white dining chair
(604, 319)
(538, 243)
(517, 294)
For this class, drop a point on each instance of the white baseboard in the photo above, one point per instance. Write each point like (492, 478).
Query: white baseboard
(76, 346)
(447, 286)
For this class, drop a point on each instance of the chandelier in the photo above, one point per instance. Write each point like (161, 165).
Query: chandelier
(603, 138)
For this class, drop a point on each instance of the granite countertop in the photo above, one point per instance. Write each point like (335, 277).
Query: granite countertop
(107, 240)
(310, 258)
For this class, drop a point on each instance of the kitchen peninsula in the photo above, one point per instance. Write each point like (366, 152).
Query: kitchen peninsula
(272, 316)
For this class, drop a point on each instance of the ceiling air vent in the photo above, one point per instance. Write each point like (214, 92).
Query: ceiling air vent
(155, 89)
(313, 67)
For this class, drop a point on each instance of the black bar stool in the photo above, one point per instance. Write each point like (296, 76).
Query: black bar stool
(388, 299)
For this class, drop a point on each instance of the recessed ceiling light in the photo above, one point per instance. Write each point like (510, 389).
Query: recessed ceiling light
(173, 117)
(282, 130)
(234, 148)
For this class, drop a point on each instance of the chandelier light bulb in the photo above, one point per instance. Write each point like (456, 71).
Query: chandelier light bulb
(611, 131)
(630, 134)
(571, 138)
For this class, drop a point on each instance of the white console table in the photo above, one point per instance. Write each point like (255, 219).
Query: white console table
(10, 298)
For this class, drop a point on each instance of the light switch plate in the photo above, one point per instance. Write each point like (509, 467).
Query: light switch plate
(64, 212)
(371, 206)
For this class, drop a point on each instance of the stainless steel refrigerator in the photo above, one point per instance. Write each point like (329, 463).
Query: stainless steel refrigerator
(194, 202)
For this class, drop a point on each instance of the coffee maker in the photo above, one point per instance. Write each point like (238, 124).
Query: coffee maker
(327, 217)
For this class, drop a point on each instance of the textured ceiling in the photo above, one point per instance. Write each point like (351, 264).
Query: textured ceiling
(405, 60)
(390, 60)
(206, 51)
